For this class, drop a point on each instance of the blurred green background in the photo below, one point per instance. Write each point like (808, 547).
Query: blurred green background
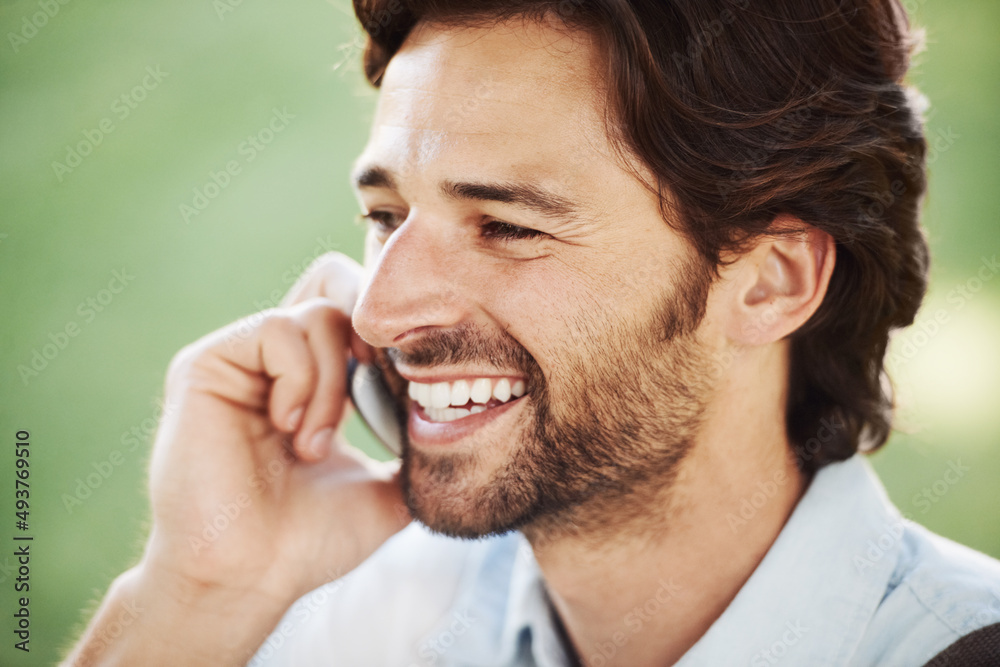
(201, 77)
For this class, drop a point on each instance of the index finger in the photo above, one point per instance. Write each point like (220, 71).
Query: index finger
(333, 276)
(337, 278)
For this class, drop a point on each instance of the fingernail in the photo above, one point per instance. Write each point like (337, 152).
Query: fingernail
(295, 418)
(319, 446)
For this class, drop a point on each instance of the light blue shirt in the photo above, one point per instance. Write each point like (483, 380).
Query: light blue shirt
(849, 581)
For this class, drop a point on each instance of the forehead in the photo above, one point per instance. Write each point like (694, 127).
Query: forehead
(520, 99)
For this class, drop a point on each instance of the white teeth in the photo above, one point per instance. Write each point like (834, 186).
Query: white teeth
(460, 392)
(423, 393)
(501, 390)
(440, 395)
(445, 401)
(482, 389)
(447, 414)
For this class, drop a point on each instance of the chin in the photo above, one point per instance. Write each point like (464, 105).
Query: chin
(464, 495)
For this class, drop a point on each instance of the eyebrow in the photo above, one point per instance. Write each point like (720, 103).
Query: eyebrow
(524, 195)
(374, 177)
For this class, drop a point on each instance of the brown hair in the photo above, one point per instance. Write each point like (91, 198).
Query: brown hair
(745, 111)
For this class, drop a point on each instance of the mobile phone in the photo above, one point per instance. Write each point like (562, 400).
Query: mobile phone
(375, 404)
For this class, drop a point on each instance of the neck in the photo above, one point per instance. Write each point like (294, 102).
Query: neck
(631, 595)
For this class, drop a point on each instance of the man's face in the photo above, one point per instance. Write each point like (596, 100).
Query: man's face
(511, 248)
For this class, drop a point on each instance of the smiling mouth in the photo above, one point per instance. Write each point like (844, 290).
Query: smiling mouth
(450, 401)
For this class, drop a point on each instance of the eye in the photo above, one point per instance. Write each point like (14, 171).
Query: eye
(383, 222)
(504, 231)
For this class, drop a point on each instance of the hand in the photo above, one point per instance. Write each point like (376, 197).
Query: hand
(253, 486)
(256, 496)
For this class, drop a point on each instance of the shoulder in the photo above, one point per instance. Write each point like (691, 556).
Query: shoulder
(381, 611)
(939, 591)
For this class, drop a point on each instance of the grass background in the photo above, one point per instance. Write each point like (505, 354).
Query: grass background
(228, 65)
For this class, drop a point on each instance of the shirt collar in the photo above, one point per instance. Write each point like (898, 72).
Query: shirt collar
(510, 610)
(812, 596)
(809, 601)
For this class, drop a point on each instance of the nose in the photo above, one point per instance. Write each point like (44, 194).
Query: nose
(412, 285)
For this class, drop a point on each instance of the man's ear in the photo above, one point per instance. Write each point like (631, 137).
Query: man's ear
(779, 284)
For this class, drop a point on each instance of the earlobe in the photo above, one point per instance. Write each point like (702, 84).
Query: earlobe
(781, 283)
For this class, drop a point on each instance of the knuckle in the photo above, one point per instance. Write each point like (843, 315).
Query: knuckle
(337, 273)
(332, 274)
(334, 263)
(275, 322)
(181, 365)
(320, 316)
(323, 312)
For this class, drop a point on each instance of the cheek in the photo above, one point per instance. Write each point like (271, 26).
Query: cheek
(556, 315)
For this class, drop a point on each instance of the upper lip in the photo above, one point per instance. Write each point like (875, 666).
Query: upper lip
(453, 376)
